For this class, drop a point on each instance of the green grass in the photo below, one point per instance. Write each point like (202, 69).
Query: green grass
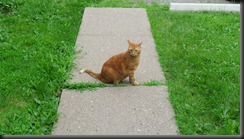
(153, 83)
(199, 53)
(37, 41)
(84, 86)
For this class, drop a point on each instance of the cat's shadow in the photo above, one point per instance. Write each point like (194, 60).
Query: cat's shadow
(124, 83)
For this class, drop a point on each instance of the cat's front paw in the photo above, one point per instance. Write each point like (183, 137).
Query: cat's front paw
(135, 83)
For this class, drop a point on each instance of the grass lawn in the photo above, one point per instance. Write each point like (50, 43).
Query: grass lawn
(199, 53)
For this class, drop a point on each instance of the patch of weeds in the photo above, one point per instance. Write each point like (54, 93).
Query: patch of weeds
(153, 83)
(84, 86)
(8, 6)
(121, 3)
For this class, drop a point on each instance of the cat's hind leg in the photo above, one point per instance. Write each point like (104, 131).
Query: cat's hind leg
(110, 75)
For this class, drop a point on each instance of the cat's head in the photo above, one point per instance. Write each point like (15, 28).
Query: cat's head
(134, 49)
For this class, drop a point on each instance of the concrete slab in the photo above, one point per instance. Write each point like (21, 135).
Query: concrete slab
(115, 22)
(116, 111)
(204, 7)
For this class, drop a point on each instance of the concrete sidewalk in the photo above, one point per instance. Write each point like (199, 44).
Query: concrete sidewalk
(128, 110)
(204, 7)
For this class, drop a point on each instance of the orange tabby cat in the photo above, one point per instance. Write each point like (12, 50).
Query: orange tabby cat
(119, 66)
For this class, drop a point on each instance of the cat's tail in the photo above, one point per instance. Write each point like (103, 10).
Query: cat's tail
(91, 73)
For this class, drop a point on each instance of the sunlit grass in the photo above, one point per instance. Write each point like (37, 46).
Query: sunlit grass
(200, 55)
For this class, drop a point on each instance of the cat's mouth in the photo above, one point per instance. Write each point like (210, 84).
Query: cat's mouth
(133, 55)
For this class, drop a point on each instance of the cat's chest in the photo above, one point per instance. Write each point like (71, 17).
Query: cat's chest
(130, 66)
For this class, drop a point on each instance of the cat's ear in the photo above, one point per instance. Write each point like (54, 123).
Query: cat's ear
(129, 41)
(140, 44)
